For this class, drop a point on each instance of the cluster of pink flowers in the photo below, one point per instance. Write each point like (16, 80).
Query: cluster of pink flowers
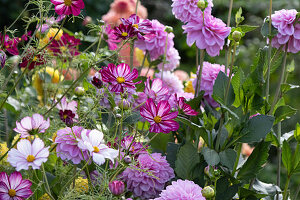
(288, 30)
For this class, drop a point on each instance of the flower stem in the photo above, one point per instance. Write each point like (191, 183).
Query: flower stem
(165, 56)
(19, 15)
(46, 182)
(279, 156)
(136, 6)
(285, 192)
(269, 53)
(199, 75)
(239, 149)
(131, 53)
(12, 146)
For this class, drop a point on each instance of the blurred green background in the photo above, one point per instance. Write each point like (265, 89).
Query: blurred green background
(254, 12)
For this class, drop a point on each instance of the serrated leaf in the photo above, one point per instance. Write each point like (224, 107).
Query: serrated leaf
(211, 156)
(228, 158)
(219, 90)
(284, 112)
(255, 161)
(172, 150)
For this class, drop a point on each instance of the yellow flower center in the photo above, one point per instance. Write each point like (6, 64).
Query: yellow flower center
(96, 149)
(157, 119)
(63, 49)
(65, 116)
(135, 26)
(124, 34)
(120, 80)
(12, 192)
(68, 2)
(30, 158)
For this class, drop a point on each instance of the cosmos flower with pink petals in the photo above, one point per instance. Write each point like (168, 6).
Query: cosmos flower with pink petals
(209, 35)
(14, 187)
(28, 154)
(159, 116)
(10, 45)
(124, 31)
(67, 45)
(119, 77)
(111, 38)
(67, 111)
(68, 7)
(156, 90)
(31, 60)
(184, 107)
(32, 125)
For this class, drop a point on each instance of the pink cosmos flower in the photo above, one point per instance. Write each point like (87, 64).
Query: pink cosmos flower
(209, 35)
(156, 90)
(13, 187)
(112, 39)
(124, 31)
(67, 45)
(10, 45)
(49, 22)
(187, 10)
(28, 154)
(93, 142)
(32, 125)
(30, 61)
(67, 144)
(185, 108)
(67, 111)
(159, 117)
(68, 7)
(119, 77)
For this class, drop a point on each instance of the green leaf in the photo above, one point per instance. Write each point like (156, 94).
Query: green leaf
(250, 194)
(256, 128)
(228, 158)
(225, 190)
(196, 102)
(187, 159)
(172, 150)
(271, 137)
(284, 112)
(219, 90)
(265, 29)
(141, 86)
(287, 156)
(189, 123)
(236, 82)
(287, 87)
(211, 156)
(254, 163)
(247, 28)
(238, 17)
(297, 132)
(160, 141)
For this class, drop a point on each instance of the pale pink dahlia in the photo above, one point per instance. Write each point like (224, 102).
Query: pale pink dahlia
(209, 35)
(155, 43)
(171, 81)
(28, 154)
(209, 75)
(32, 125)
(160, 118)
(182, 189)
(68, 7)
(147, 178)
(173, 60)
(288, 31)
(67, 144)
(13, 187)
(187, 10)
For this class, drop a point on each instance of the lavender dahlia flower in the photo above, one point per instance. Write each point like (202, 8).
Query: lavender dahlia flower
(171, 81)
(148, 177)
(182, 189)
(209, 35)
(173, 60)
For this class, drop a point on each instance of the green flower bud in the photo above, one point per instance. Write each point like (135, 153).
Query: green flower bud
(169, 29)
(79, 91)
(202, 4)
(208, 192)
(236, 35)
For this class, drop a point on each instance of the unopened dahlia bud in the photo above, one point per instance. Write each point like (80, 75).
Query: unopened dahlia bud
(2, 58)
(208, 192)
(79, 91)
(124, 104)
(236, 35)
(169, 29)
(127, 159)
(202, 4)
(116, 187)
(87, 20)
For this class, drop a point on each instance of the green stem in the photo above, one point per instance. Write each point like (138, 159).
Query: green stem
(165, 57)
(19, 16)
(285, 192)
(199, 75)
(227, 47)
(279, 155)
(46, 182)
(136, 6)
(269, 53)
(131, 53)
(239, 149)
(229, 12)
(99, 41)
(12, 146)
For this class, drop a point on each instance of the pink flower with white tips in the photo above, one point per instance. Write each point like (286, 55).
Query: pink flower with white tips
(28, 154)
(13, 187)
(68, 7)
(159, 117)
(93, 142)
(119, 77)
(156, 91)
(185, 108)
(32, 125)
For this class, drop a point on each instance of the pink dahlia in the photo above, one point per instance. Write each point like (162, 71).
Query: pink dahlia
(67, 45)
(67, 144)
(155, 43)
(32, 125)
(111, 39)
(209, 35)
(181, 189)
(288, 31)
(147, 178)
(68, 7)
(187, 10)
(28, 154)
(159, 117)
(13, 187)
(119, 77)
(171, 81)
(172, 58)
(209, 75)
(67, 111)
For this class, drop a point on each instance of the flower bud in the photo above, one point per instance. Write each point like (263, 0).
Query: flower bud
(118, 116)
(79, 91)
(2, 58)
(236, 35)
(127, 159)
(169, 29)
(97, 82)
(202, 4)
(87, 20)
(124, 104)
(116, 187)
(101, 22)
(208, 192)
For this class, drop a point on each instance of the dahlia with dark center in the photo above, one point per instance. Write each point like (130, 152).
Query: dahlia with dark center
(67, 116)
(124, 31)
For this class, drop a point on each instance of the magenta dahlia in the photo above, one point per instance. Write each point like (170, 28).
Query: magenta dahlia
(209, 35)
(182, 189)
(68, 7)
(147, 178)
(159, 117)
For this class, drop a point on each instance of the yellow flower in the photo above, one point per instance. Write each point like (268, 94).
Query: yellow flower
(51, 33)
(45, 197)
(3, 150)
(189, 87)
(139, 54)
(81, 185)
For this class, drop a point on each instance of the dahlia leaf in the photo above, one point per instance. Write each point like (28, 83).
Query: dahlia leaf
(211, 156)
(219, 90)
(228, 158)
(284, 112)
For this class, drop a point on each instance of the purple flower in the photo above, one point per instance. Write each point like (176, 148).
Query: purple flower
(66, 45)
(185, 108)
(49, 22)
(124, 31)
(173, 60)
(67, 144)
(67, 111)
(209, 75)
(112, 39)
(2, 58)
(182, 189)
(13, 187)
(156, 90)
(32, 125)
(148, 176)
(133, 147)
(187, 10)
(209, 35)
(28, 154)
(116, 187)
(68, 7)
(171, 81)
